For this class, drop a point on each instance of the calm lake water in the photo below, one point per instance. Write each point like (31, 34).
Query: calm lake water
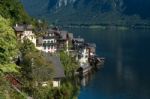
(126, 73)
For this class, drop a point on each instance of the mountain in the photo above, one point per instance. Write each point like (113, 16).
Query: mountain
(88, 11)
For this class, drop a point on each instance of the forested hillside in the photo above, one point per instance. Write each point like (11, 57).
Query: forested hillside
(90, 11)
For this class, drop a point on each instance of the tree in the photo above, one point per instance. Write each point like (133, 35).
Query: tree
(35, 69)
(69, 87)
(8, 51)
(40, 28)
(26, 47)
(69, 63)
(14, 9)
(8, 46)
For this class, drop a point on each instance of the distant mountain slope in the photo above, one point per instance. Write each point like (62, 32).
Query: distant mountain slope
(140, 7)
(88, 11)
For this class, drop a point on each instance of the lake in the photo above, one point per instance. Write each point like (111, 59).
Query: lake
(126, 73)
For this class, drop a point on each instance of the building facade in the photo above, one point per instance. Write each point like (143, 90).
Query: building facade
(49, 42)
(25, 32)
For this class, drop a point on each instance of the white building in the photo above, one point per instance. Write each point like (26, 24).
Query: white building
(49, 42)
(84, 56)
(54, 40)
(25, 31)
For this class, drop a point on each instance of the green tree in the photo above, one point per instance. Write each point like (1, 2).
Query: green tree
(35, 69)
(69, 63)
(8, 46)
(8, 52)
(26, 47)
(14, 9)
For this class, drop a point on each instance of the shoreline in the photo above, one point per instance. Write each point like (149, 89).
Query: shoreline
(106, 27)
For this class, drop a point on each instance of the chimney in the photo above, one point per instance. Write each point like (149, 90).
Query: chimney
(16, 25)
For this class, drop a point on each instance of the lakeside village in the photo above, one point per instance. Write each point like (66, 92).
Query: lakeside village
(54, 41)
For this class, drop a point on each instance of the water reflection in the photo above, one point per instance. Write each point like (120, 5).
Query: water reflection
(119, 63)
(126, 71)
(85, 80)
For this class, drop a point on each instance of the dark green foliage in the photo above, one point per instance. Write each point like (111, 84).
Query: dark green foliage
(34, 63)
(41, 27)
(8, 46)
(26, 47)
(69, 88)
(8, 52)
(69, 63)
(35, 69)
(13, 10)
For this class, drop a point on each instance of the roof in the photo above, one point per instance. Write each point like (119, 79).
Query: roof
(20, 28)
(58, 67)
(63, 34)
(70, 35)
(51, 31)
(91, 45)
(29, 27)
(49, 35)
(79, 39)
(59, 70)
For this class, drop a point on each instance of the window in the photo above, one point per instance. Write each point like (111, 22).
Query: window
(48, 47)
(44, 47)
(52, 47)
(86, 56)
(48, 41)
(44, 41)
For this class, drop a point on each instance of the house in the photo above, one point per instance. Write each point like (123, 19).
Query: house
(64, 40)
(54, 40)
(49, 42)
(92, 49)
(85, 50)
(25, 31)
(58, 69)
(84, 55)
(78, 43)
